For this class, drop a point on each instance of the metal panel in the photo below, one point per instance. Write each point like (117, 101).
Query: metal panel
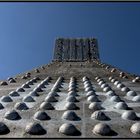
(72, 50)
(66, 50)
(97, 49)
(92, 49)
(58, 50)
(79, 46)
(86, 54)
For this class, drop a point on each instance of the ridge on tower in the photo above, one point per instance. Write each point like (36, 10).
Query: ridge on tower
(76, 49)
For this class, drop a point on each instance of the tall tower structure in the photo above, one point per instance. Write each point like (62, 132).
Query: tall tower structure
(76, 49)
(74, 96)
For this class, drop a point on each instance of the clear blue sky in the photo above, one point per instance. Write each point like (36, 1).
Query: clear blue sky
(28, 31)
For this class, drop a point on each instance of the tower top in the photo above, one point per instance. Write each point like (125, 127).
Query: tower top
(76, 49)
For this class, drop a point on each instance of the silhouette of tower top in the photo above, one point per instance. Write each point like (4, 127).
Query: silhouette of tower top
(76, 49)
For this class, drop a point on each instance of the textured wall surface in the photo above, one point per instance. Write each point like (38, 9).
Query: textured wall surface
(76, 49)
(87, 99)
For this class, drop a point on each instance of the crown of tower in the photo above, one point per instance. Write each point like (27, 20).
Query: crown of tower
(76, 49)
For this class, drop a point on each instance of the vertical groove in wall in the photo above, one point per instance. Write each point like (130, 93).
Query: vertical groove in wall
(79, 45)
(66, 50)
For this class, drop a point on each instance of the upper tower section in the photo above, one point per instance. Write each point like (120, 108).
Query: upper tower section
(76, 49)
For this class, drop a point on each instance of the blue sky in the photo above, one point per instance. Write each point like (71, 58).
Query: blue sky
(28, 31)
